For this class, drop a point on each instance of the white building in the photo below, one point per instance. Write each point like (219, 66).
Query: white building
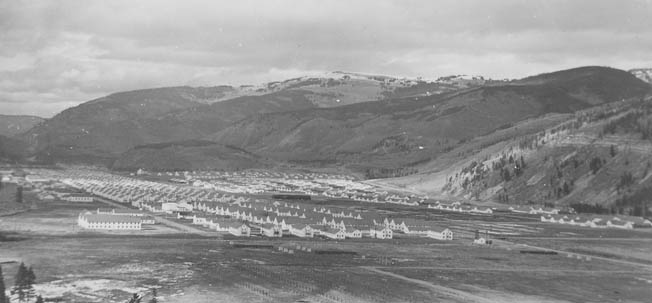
(598, 221)
(333, 233)
(147, 220)
(89, 220)
(170, 207)
(271, 230)
(301, 230)
(239, 229)
(445, 234)
(353, 233)
(78, 198)
(124, 212)
(381, 232)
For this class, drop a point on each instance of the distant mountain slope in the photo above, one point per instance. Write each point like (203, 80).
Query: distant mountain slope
(404, 124)
(592, 84)
(115, 121)
(11, 125)
(12, 150)
(344, 88)
(398, 134)
(187, 155)
(106, 127)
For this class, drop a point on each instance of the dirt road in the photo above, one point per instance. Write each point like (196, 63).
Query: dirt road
(447, 291)
(630, 263)
(492, 269)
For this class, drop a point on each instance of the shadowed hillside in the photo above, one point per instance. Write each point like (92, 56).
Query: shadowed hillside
(104, 128)
(398, 135)
(100, 130)
(116, 122)
(187, 155)
(12, 150)
(11, 125)
(418, 127)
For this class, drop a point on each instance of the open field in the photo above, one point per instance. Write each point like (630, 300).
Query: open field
(548, 286)
(82, 266)
(625, 249)
(60, 218)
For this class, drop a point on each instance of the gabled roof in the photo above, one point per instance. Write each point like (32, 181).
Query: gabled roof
(234, 224)
(379, 228)
(103, 218)
(300, 225)
(331, 230)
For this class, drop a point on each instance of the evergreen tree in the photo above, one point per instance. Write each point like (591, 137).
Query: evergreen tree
(19, 283)
(19, 194)
(23, 287)
(595, 165)
(517, 170)
(3, 294)
(506, 175)
(30, 277)
(21, 274)
(566, 188)
(39, 299)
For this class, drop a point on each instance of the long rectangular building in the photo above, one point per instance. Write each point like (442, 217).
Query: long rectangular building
(90, 220)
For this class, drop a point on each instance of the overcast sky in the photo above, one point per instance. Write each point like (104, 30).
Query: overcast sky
(56, 54)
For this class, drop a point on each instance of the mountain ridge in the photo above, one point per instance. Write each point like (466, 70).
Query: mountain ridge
(453, 117)
(415, 118)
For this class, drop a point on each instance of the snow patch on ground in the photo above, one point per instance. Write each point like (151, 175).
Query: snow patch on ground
(94, 290)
